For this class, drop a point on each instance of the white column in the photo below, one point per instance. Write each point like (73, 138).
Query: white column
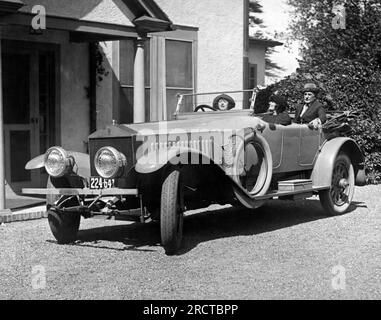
(2, 163)
(139, 103)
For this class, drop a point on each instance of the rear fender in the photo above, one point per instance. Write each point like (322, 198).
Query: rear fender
(81, 166)
(322, 172)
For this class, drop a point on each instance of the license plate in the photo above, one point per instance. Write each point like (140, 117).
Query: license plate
(101, 183)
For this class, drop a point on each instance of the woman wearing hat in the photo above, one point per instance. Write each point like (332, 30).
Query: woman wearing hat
(277, 111)
(312, 111)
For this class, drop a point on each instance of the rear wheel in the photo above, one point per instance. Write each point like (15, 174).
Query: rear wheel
(171, 213)
(64, 225)
(337, 199)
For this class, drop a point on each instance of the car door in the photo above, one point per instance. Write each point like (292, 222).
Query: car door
(274, 136)
(308, 145)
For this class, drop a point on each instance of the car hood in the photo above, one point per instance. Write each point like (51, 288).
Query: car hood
(216, 123)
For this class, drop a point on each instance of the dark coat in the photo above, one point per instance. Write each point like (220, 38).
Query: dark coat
(315, 110)
(282, 118)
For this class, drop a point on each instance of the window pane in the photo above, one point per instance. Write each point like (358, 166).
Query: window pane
(46, 100)
(21, 139)
(187, 105)
(127, 57)
(16, 69)
(178, 56)
(253, 76)
(127, 54)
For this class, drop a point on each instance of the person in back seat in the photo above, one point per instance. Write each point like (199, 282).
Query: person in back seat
(277, 111)
(312, 112)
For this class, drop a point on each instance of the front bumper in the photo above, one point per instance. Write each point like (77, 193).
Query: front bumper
(87, 207)
(82, 191)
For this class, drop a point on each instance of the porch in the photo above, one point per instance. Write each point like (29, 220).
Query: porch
(48, 79)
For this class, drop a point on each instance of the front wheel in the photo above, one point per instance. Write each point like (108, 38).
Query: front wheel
(64, 225)
(171, 214)
(337, 199)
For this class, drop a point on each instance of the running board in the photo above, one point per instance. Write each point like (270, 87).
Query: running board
(287, 190)
(305, 193)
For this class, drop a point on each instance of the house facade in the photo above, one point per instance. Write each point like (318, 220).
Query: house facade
(258, 46)
(206, 50)
(48, 73)
(98, 61)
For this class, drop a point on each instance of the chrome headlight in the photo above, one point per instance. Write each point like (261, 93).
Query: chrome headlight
(57, 162)
(109, 162)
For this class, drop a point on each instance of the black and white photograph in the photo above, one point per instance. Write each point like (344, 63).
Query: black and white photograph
(200, 151)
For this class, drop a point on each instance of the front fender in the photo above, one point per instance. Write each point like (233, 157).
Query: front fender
(155, 160)
(322, 172)
(82, 163)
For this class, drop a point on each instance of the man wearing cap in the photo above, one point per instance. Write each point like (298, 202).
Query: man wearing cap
(312, 112)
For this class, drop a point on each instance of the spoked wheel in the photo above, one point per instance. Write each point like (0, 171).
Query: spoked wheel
(64, 225)
(337, 199)
(171, 213)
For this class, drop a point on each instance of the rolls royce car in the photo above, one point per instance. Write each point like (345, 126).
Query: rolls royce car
(216, 153)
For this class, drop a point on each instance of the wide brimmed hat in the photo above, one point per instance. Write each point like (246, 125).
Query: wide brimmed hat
(279, 100)
(310, 87)
(229, 99)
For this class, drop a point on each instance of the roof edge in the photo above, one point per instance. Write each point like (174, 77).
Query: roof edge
(10, 6)
(267, 42)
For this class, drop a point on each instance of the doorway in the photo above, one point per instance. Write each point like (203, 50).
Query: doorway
(29, 92)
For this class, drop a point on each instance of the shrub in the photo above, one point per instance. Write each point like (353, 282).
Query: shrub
(345, 85)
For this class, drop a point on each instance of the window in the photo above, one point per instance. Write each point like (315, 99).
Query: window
(171, 71)
(179, 72)
(252, 75)
(127, 55)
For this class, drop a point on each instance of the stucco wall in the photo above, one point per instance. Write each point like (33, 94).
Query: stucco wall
(108, 11)
(220, 39)
(74, 101)
(257, 56)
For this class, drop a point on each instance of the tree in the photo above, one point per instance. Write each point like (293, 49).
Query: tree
(358, 40)
(345, 62)
(271, 67)
(255, 9)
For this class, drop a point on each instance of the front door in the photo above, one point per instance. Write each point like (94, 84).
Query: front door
(28, 104)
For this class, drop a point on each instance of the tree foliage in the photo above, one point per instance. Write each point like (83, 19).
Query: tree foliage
(255, 9)
(345, 64)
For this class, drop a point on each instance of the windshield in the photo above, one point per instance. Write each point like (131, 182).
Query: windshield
(216, 101)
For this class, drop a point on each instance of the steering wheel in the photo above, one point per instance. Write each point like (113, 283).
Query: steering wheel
(203, 106)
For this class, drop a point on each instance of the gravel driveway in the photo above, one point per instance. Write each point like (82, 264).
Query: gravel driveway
(284, 250)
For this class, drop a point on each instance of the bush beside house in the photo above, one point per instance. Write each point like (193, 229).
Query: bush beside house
(345, 85)
(345, 62)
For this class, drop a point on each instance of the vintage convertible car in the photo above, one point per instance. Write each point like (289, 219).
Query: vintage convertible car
(158, 170)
